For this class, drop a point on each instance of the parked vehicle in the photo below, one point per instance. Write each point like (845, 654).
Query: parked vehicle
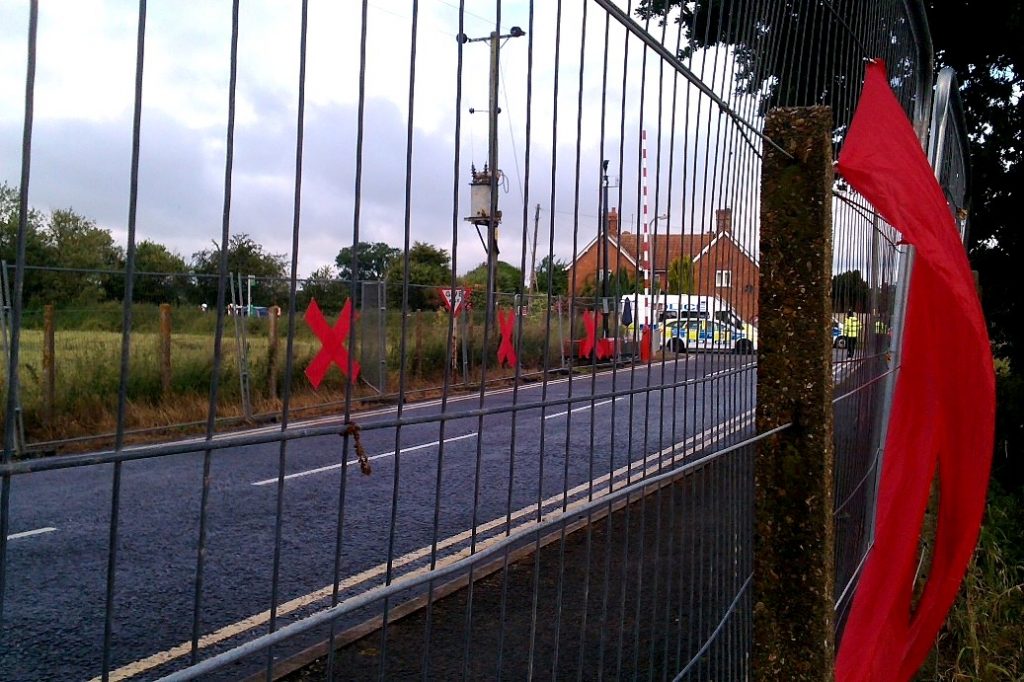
(682, 336)
(838, 340)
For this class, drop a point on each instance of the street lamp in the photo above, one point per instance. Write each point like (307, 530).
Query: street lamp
(604, 240)
(649, 278)
(492, 218)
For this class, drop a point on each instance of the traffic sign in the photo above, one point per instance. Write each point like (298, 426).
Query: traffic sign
(456, 299)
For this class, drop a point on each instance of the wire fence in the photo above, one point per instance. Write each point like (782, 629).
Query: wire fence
(553, 480)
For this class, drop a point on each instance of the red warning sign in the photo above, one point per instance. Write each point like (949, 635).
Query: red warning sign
(455, 299)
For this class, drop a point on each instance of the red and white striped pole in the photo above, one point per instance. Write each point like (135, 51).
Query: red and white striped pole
(646, 344)
(645, 257)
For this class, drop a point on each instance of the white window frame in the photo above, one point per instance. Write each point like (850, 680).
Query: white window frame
(723, 279)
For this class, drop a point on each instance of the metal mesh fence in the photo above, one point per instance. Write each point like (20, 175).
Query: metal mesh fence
(554, 480)
(949, 151)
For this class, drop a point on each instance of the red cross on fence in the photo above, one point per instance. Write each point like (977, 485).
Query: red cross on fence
(506, 351)
(333, 340)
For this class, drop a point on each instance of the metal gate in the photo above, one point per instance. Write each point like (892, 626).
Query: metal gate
(373, 334)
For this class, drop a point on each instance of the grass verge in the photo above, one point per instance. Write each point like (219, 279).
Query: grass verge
(983, 638)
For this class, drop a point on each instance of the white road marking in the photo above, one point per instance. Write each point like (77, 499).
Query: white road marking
(578, 409)
(650, 464)
(727, 370)
(332, 467)
(584, 408)
(843, 367)
(336, 419)
(30, 533)
(605, 402)
(322, 421)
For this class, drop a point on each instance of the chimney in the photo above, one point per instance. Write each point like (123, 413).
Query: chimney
(723, 221)
(613, 223)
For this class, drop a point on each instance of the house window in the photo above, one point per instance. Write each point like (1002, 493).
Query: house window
(723, 278)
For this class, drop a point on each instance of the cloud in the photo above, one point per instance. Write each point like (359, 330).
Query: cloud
(85, 94)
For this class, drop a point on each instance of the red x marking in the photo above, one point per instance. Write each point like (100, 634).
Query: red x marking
(506, 351)
(333, 340)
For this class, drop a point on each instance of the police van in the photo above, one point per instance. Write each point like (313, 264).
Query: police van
(664, 309)
(690, 334)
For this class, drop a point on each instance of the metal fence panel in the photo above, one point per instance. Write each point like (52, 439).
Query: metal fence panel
(372, 347)
(555, 484)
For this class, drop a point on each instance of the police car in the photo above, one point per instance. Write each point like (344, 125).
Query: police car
(684, 335)
(838, 340)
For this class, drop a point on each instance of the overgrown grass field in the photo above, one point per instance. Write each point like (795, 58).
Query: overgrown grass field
(87, 358)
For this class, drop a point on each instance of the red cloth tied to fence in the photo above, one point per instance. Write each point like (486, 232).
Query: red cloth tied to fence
(506, 351)
(943, 411)
(589, 341)
(645, 344)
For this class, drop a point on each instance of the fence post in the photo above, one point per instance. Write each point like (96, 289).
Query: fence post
(561, 334)
(272, 343)
(382, 335)
(418, 342)
(165, 348)
(49, 365)
(241, 347)
(793, 471)
(465, 345)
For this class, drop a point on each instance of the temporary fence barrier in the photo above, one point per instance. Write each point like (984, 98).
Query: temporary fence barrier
(567, 513)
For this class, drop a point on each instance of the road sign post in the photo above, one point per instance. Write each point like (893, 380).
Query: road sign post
(456, 301)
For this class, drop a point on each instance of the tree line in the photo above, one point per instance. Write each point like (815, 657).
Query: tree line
(73, 261)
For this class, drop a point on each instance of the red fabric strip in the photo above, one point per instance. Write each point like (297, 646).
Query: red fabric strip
(943, 412)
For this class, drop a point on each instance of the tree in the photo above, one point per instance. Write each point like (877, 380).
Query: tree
(768, 72)
(680, 276)
(429, 268)
(245, 257)
(167, 281)
(324, 285)
(625, 281)
(555, 269)
(37, 250)
(987, 53)
(850, 291)
(76, 243)
(371, 261)
(508, 279)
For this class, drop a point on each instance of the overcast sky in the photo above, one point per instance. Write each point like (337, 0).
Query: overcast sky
(81, 143)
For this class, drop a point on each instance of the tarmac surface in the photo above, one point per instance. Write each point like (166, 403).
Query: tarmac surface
(506, 467)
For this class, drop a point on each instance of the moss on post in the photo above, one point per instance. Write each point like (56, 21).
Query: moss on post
(793, 558)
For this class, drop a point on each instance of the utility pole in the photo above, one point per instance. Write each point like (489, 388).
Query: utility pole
(533, 251)
(492, 217)
(492, 161)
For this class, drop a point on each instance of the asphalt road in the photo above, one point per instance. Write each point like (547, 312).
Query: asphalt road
(524, 464)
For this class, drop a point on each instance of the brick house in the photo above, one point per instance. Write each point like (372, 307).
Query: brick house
(721, 266)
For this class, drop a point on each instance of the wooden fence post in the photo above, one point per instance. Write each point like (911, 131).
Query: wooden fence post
(794, 621)
(272, 343)
(165, 349)
(49, 365)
